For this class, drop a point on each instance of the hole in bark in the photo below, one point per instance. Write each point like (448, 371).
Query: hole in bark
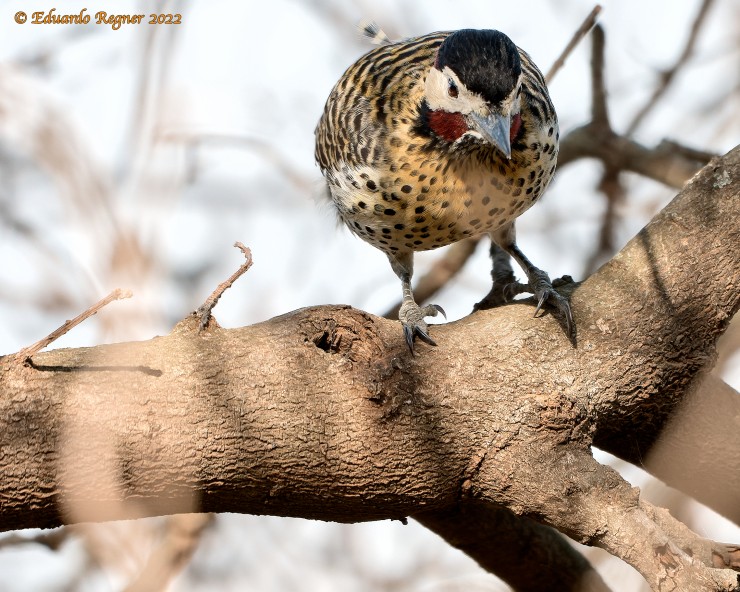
(327, 341)
(341, 330)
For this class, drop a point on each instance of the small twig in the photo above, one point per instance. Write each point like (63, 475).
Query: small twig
(28, 352)
(667, 76)
(204, 310)
(585, 27)
(611, 183)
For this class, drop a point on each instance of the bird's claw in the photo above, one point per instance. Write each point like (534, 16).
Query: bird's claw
(412, 317)
(411, 332)
(542, 288)
(438, 308)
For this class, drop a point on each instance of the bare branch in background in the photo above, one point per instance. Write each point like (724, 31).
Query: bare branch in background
(157, 52)
(666, 163)
(181, 537)
(36, 124)
(612, 188)
(51, 539)
(667, 76)
(580, 33)
(669, 162)
(599, 108)
(610, 185)
(194, 141)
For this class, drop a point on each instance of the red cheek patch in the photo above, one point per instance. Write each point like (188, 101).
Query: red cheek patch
(516, 126)
(449, 126)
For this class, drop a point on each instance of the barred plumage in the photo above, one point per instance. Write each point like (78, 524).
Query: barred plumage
(430, 140)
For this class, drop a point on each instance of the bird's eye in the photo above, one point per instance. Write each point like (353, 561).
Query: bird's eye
(452, 90)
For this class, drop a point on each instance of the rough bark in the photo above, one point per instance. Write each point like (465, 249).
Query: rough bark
(323, 413)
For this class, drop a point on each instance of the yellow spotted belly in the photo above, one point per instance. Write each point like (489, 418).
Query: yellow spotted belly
(434, 204)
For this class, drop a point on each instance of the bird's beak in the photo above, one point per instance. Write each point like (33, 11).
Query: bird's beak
(495, 129)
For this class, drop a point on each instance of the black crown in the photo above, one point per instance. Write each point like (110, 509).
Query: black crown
(486, 62)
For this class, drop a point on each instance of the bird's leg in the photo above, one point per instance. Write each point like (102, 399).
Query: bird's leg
(411, 314)
(538, 282)
(541, 287)
(503, 278)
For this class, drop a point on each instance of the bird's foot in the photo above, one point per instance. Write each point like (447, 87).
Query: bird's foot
(412, 317)
(500, 292)
(543, 290)
(540, 287)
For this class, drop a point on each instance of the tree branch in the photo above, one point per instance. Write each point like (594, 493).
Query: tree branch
(322, 413)
(580, 33)
(27, 353)
(502, 542)
(658, 548)
(667, 76)
(664, 163)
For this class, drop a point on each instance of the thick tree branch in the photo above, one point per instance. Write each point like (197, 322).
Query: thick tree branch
(659, 548)
(683, 246)
(502, 543)
(322, 413)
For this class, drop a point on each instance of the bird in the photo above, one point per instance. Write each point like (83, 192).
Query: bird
(434, 139)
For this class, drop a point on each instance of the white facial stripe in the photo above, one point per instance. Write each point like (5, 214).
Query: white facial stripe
(511, 103)
(438, 97)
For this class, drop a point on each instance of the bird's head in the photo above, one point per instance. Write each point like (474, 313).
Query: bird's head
(473, 89)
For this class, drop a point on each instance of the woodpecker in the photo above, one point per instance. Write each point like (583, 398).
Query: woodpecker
(434, 139)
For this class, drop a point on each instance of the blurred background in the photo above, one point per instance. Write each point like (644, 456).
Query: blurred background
(136, 157)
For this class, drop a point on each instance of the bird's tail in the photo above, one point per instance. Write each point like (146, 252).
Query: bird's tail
(372, 31)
